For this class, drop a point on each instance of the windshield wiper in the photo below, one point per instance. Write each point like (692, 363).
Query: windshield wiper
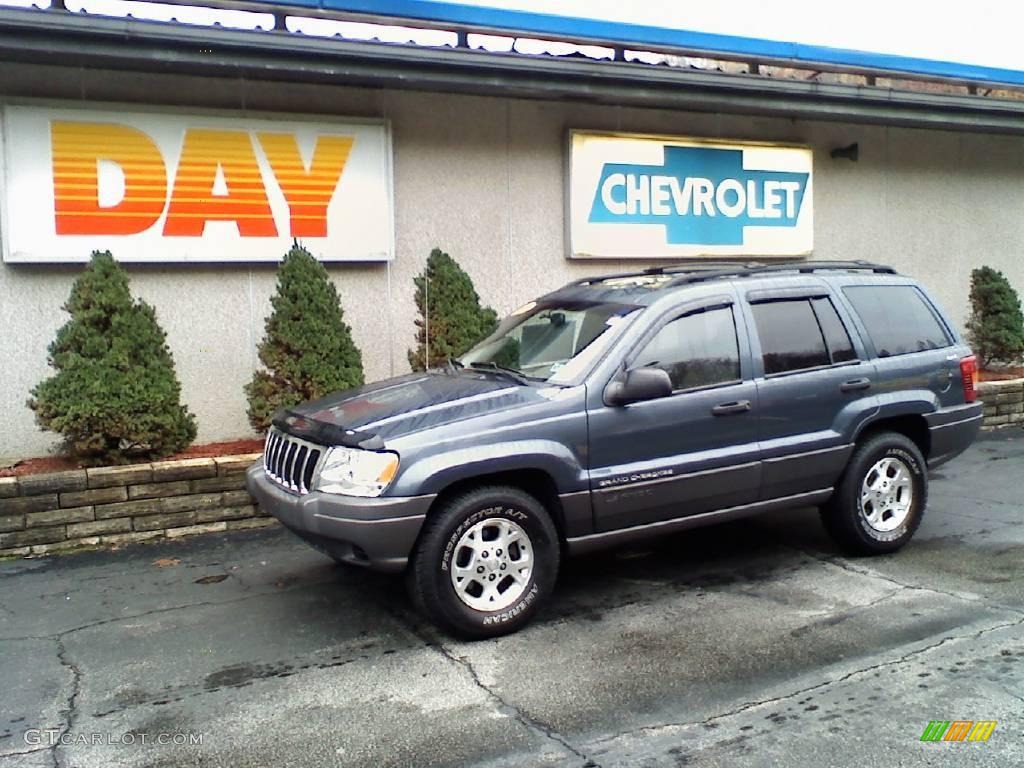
(454, 365)
(510, 373)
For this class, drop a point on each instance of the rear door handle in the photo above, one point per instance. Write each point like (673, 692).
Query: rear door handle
(854, 384)
(737, 406)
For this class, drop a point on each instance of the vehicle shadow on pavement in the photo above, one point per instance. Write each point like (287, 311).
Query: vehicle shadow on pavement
(742, 555)
(738, 555)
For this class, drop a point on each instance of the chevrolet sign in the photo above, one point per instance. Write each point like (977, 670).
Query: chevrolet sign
(663, 197)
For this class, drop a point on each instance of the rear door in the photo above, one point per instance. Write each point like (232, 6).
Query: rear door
(693, 451)
(815, 386)
(914, 349)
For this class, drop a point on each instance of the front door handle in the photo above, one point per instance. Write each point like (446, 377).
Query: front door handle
(737, 406)
(854, 384)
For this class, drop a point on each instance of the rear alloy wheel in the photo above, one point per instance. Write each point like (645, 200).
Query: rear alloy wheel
(485, 561)
(887, 494)
(881, 498)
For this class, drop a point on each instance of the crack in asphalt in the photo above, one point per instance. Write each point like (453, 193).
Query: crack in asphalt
(518, 714)
(32, 751)
(69, 712)
(504, 706)
(430, 639)
(167, 609)
(70, 708)
(747, 706)
(879, 600)
(830, 613)
(845, 565)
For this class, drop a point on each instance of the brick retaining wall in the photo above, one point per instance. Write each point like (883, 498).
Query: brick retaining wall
(117, 505)
(1004, 403)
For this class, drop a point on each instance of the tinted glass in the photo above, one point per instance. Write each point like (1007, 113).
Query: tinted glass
(790, 336)
(836, 338)
(696, 350)
(897, 319)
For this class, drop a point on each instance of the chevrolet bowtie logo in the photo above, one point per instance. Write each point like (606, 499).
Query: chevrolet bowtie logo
(701, 194)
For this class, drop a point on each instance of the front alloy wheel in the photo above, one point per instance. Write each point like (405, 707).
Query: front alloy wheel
(485, 561)
(492, 565)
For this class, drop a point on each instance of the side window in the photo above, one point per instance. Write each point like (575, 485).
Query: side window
(696, 350)
(897, 318)
(840, 348)
(790, 336)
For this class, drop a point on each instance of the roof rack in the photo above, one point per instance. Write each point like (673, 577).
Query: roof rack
(701, 271)
(802, 267)
(667, 269)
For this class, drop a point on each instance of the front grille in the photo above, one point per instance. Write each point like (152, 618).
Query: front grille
(290, 462)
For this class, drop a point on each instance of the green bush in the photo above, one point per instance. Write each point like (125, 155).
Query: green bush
(996, 325)
(115, 395)
(308, 350)
(449, 308)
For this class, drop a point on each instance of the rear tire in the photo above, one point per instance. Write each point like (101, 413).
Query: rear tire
(485, 562)
(881, 497)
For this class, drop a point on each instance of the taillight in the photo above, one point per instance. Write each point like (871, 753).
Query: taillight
(969, 373)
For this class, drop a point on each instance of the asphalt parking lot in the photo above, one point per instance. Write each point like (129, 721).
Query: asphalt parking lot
(748, 644)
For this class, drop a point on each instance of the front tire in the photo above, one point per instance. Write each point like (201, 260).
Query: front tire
(881, 498)
(485, 562)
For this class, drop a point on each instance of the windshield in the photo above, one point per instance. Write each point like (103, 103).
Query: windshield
(551, 341)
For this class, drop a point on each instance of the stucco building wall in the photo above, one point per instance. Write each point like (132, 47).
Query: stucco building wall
(483, 178)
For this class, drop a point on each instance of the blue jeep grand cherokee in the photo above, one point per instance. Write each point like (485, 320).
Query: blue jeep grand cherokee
(628, 406)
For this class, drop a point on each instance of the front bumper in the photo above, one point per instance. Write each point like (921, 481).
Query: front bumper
(376, 533)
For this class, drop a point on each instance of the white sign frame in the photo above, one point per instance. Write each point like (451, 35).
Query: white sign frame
(585, 239)
(221, 241)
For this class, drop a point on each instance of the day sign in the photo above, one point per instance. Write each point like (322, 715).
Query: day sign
(166, 187)
(662, 197)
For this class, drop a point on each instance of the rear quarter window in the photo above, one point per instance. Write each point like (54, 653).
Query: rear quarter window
(898, 319)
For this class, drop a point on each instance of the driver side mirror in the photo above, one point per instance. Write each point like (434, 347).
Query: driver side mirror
(639, 384)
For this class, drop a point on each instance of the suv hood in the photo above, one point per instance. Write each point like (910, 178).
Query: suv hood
(370, 414)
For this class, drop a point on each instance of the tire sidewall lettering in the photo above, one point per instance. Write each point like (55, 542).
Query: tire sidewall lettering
(498, 511)
(510, 613)
(907, 458)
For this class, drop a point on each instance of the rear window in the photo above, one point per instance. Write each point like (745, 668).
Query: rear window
(897, 318)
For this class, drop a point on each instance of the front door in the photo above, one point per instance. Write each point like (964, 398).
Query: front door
(688, 453)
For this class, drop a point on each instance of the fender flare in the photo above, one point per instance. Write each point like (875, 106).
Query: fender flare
(433, 474)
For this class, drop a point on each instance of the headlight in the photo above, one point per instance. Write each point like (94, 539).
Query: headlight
(355, 472)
